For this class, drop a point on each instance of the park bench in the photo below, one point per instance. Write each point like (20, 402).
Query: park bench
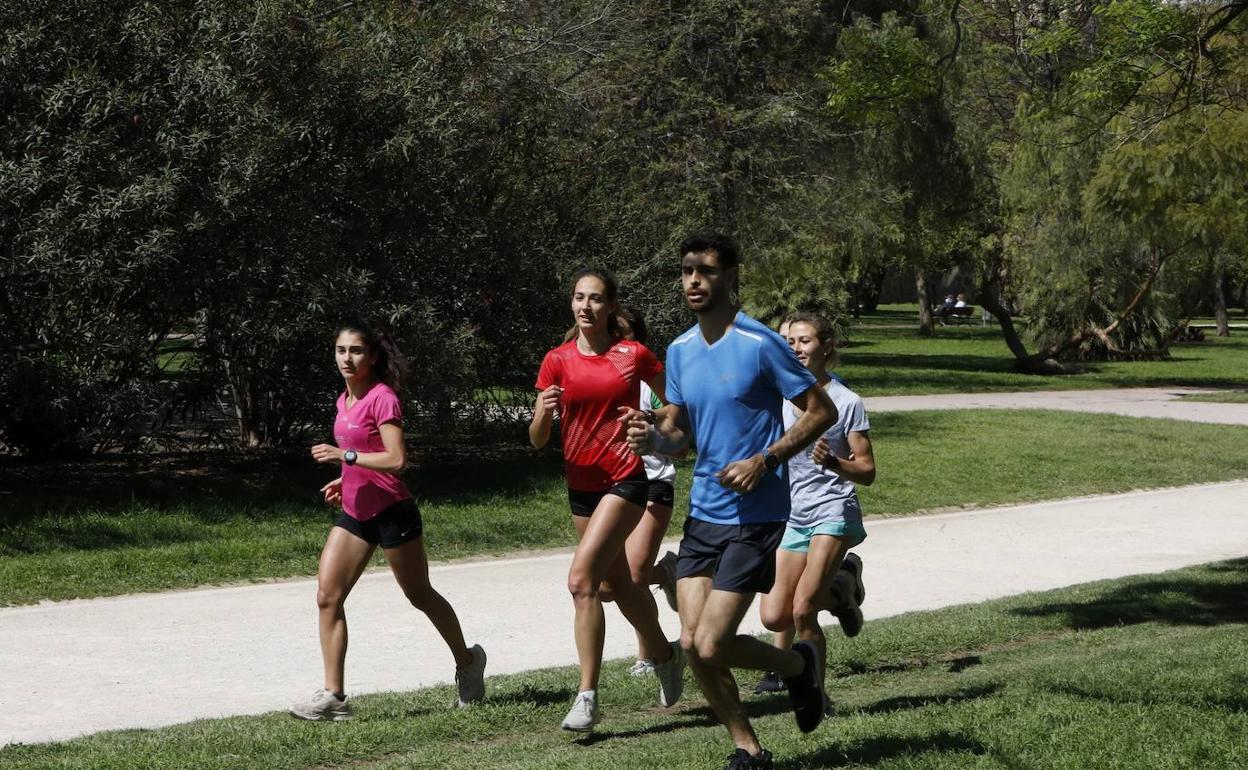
(959, 315)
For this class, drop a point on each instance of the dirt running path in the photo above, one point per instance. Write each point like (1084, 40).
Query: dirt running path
(147, 660)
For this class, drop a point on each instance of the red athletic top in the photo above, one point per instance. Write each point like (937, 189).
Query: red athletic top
(595, 454)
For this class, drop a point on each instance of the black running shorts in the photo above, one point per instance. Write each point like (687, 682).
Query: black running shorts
(633, 489)
(742, 557)
(661, 492)
(391, 528)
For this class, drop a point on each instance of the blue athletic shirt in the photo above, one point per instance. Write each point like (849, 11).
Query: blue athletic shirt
(734, 393)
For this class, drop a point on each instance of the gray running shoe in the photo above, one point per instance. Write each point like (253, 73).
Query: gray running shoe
(323, 706)
(671, 677)
(583, 715)
(643, 667)
(470, 680)
(668, 565)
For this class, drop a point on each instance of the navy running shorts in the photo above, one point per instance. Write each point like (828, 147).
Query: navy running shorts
(741, 557)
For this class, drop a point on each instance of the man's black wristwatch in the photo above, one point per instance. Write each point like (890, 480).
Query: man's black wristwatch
(771, 461)
(349, 457)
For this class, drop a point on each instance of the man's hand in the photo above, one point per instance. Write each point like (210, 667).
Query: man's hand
(638, 430)
(742, 476)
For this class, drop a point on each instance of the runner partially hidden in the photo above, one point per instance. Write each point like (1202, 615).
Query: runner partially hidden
(727, 379)
(814, 569)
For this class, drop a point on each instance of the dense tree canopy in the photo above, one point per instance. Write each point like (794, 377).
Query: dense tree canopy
(192, 196)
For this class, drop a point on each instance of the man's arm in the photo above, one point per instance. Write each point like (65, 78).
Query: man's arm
(664, 431)
(818, 414)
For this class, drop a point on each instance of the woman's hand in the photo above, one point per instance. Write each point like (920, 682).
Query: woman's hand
(822, 455)
(333, 492)
(327, 453)
(548, 399)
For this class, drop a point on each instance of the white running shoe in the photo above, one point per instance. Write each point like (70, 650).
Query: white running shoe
(643, 667)
(668, 565)
(671, 677)
(583, 715)
(323, 706)
(470, 680)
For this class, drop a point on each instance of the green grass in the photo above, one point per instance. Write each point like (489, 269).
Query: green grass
(894, 360)
(112, 527)
(939, 459)
(1224, 397)
(1143, 672)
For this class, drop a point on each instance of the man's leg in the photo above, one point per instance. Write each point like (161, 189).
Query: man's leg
(717, 640)
(717, 682)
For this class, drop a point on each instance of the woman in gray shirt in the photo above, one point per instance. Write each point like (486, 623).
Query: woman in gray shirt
(814, 569)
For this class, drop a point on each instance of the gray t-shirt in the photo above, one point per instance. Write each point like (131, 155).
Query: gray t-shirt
(819, 494)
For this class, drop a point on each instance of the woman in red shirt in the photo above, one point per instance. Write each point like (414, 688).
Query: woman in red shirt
(586, 381)
(377, 509)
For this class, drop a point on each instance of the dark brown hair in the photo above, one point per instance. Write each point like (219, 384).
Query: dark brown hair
(391, 366)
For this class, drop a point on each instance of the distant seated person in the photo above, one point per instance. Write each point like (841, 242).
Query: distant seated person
(961, 303)
(945, 306)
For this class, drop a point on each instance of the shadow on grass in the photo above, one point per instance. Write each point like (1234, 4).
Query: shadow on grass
(875, 750)
(212, 486)
(526, 695)
(701, 716)
(1183, 599)
(1237, 703)
(907, 702)
(529, 695)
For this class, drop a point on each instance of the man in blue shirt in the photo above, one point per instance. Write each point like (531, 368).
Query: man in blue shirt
(727, 379)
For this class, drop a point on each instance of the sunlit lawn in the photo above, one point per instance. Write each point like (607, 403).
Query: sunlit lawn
(1142, 672)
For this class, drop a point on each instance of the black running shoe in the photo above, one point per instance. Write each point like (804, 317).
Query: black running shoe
(806, 689)
(768, 684)
(742, 760)
(848, 612)
(852, 564)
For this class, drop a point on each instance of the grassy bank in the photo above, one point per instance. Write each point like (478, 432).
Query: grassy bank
(113, 527)
(1140, 672)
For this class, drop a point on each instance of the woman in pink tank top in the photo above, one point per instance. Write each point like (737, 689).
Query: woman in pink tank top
(377, 509)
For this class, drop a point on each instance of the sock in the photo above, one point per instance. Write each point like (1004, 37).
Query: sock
(340, 695)
(593, 694)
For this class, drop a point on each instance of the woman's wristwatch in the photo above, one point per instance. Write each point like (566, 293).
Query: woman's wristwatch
(349, 457)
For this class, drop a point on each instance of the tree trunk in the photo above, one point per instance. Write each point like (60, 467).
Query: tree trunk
(926, 326)
(1219, 303)
(246, 407)
(990, 298)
